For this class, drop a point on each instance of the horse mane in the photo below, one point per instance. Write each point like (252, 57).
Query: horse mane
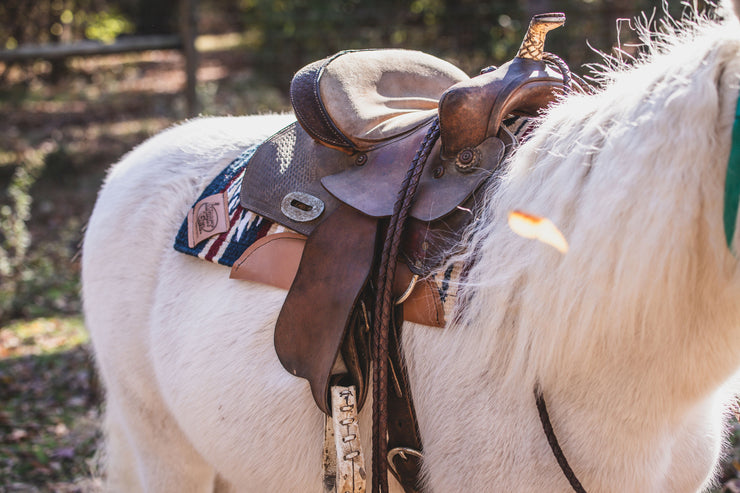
(633, 175)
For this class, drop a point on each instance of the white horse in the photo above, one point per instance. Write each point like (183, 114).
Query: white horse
(633, 335)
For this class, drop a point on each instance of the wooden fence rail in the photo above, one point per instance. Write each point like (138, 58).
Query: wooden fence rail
(184, 41)
(87, 48)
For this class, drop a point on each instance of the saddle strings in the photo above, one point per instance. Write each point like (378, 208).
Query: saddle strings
(560, 64)
(384, 304)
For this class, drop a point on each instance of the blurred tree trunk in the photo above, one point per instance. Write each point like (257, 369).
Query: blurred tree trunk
(616, 9)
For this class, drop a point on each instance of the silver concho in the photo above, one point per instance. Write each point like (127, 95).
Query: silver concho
(301, 207)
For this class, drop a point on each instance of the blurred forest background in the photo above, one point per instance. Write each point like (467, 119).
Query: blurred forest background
(64, 121)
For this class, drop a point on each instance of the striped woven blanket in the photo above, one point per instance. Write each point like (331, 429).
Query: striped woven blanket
(245, 227)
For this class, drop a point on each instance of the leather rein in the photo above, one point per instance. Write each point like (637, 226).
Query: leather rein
(384, 306)
(387, 361)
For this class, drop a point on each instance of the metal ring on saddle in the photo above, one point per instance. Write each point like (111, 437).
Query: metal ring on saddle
(402, 452)
(409, 290)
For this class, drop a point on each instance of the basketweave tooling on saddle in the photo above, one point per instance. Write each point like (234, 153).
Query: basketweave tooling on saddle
(341, 176)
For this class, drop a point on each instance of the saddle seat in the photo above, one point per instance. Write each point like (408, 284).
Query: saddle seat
(356, 100)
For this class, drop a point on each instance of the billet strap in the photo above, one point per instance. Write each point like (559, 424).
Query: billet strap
(732, 183)
(350, 460)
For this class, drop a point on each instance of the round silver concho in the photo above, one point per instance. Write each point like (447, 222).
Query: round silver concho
(301, 207)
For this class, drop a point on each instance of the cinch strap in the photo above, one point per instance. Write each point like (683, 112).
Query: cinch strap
(732, 183)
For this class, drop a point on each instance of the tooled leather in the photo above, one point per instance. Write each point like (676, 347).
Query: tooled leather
(470, 116)
(310, 110)
(290, 161)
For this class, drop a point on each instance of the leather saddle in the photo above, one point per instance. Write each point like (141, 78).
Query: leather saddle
(334, 175)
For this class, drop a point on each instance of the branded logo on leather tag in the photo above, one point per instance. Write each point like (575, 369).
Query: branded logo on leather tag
(208, 217)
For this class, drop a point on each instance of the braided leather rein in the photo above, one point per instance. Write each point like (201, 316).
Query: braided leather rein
(384, 305)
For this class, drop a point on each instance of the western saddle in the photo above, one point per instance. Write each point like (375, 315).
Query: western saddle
(341, 177)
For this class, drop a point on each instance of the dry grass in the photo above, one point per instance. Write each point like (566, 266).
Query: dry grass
(49, 407)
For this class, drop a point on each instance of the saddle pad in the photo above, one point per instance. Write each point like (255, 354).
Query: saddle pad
(245, 227)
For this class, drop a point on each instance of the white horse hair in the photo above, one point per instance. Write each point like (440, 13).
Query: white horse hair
(633, 335)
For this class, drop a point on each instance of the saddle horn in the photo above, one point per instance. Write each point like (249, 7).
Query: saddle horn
(472, 111)
(533, 46)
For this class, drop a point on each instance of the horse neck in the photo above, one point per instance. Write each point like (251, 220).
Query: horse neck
(634, 177)
(636, 329)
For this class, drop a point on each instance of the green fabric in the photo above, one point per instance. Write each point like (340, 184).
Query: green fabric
(732, 183)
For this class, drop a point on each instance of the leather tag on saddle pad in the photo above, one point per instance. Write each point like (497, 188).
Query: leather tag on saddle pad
(208, 217)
